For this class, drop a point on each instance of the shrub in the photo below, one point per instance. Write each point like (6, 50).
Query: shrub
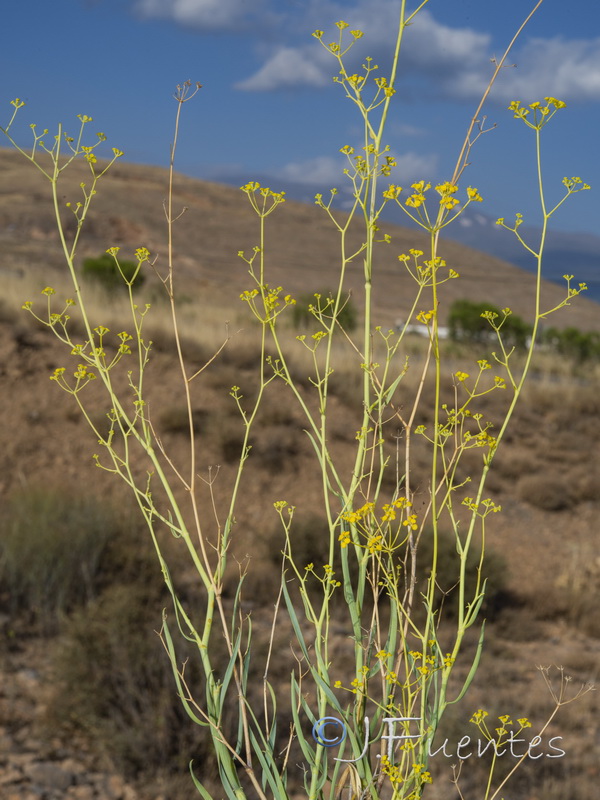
(51, 547)
(573, 343)
(59, 552)
(176, 420)
(467, 323)
(278, 448)
(579, 589)
(104, 270)
(448, 566)
(546, 492)
(231, 440)
(323, 302)
(114, 684)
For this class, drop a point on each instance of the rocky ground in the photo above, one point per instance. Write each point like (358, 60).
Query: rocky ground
(34, 765)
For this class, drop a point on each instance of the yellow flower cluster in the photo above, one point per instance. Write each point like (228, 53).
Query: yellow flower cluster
(541, 114)
(254, 186)
(389, 510)
(423, 774)
(361, 513)
(418, 198)
(411, 522)
(394, 772)
(391, 770)
(505, 720)
(376, 537)
(446, 191)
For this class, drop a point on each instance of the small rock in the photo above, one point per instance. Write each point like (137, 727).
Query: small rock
(80, 793)
(22, 796)
(73, 766)
(114, 787)
(11, 776)
(28, 677)
(49, 775)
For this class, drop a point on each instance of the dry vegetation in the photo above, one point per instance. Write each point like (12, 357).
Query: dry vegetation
(108, 687)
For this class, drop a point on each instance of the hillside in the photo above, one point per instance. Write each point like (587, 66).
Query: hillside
(58, 666)
(302, 246)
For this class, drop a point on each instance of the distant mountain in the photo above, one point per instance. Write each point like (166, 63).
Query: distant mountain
(575, 254)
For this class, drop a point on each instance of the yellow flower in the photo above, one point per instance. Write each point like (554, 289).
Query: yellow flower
(415, 200)
(381, 654)
(344, 538)
(392, 191)
(446, 190)
(478, 716)
(425, 316)
(402, 502)
(411, 522)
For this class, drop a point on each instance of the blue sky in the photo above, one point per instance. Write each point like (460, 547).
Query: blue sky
(269, 109)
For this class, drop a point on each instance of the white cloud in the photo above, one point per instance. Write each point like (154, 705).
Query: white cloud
(431, 49)
(211, 15)
(437, 60)
(405, 129)
(413, 167)
(323, 171)
(434, 48)
(569, 70)
(286, 68)
(451, 62)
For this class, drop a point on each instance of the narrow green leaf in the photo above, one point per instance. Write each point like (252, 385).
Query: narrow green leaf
(473, 669)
